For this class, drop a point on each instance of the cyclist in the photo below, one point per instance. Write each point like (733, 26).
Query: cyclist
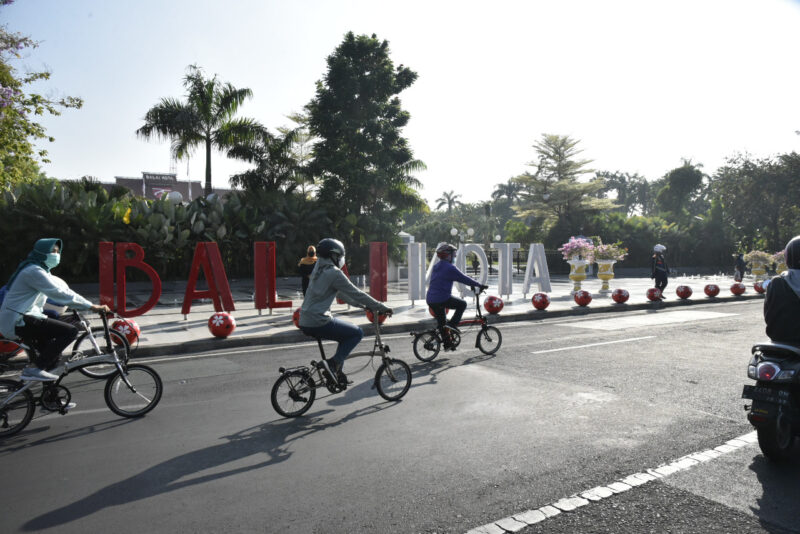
(328, 282)
(21, 315)
(782, 303)
(439, 295)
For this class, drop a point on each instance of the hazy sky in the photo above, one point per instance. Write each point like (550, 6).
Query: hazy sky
(641, 84)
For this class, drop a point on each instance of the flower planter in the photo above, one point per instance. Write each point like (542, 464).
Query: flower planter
(759, 270)
(577, 273)
(605, 272)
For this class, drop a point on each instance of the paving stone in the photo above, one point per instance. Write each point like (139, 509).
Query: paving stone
(736, 443)
(570, 503)
(713, 453)
(752, 437)
(701, 457)
(725, 448)
(550, 511)
(645, 477)
(654, 473)
(685, 463)
(618, 487)
(491, 528)
(666, 470)
(510, 524)
(633, 480)
(600, 491)
(531, 517)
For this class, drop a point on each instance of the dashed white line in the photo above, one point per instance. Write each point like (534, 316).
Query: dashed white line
(519, 521)
(593, 344)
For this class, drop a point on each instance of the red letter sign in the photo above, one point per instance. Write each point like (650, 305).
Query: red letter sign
(207, 257)
(378, 270)
(137, 262)
(265, 277)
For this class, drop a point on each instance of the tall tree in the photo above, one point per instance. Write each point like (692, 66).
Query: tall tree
(365, 165)
(18, 130)
(205, 118)
(682, 194)
(275, 167)
(448, 199)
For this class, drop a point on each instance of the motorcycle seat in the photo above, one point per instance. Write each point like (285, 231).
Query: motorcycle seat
(778, 349)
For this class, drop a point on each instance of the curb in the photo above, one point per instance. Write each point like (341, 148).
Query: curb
(211, 343)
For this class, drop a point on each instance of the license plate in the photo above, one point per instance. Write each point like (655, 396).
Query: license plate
(761, 394)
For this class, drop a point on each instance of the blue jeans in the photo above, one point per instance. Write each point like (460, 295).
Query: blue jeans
(346, 334)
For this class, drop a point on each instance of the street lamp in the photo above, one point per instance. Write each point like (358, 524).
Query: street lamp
(497, 238)
(470, 232)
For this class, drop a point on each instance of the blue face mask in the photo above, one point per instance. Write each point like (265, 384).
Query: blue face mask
(52, 260)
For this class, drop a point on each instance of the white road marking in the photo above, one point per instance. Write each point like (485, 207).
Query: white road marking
(648, 319)
(593, 344)
(591, 495)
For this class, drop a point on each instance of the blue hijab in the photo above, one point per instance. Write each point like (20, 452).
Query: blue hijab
(41, 249)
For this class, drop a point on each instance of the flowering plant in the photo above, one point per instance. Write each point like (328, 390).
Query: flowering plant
(578, 248)
(779, 257)
(758, 256)
(614, 251)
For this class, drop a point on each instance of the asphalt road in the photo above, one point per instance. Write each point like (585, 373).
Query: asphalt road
(566, 405)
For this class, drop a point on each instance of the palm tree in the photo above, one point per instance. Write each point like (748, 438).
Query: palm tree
(276, 168)
(449, 199)
(510, 190)
(206, 117)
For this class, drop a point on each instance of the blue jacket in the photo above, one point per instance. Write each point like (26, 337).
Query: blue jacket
(442, 277)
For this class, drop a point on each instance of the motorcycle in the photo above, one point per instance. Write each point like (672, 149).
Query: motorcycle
(775, 410)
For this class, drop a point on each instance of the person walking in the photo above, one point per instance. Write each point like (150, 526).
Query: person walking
(738, 268)
(659, 269)
(306, 266)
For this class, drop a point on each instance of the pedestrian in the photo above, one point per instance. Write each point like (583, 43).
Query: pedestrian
(738, 268)
(306, 266)
(658, 268)
(439, 296)
(22, 316)
(475, 264)
(327, 282)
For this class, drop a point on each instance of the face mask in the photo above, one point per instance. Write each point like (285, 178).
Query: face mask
(52, 259)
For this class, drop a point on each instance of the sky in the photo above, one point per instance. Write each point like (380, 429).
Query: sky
(642, 85)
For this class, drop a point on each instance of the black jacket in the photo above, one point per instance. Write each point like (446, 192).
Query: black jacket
(782, 312)
(658, 263)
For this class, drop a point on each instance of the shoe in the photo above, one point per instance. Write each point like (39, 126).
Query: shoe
(327, 367)
(34, 374)
(453, 328)
(66, 408)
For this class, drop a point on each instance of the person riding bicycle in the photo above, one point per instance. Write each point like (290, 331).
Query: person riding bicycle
(782, 303)
(328, 282)
(439, 295)
(22, 316)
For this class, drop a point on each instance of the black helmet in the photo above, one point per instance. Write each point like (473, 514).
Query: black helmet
(445, 250)
(330, 248)
(792, 253)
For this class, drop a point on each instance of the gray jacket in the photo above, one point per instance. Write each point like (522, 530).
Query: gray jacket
(328, 282)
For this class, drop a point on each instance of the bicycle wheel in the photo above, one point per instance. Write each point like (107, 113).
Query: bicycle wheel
(83, 348)
(15, 415)
(137, 399)
(393, 379)
(489, 340)
(426, 346)
(293, 394)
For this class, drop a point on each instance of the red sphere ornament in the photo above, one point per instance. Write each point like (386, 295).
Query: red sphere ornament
(446, 311)
(759, 287)
(128, 328)
(712, 290)
(221, 324)
(653, 294)
(683, 292)
(582, 297)
(738, 288)
(371, 317)
(493, 304)
(620, 296)
(296, 317)
(540, 301)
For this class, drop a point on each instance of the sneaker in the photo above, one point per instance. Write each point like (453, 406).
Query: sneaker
(67, 408)
(327, 369)
(453, 328)
(35, 374)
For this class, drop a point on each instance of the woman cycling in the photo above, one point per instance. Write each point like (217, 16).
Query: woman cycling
(21, 315)
(327, 280)
(439, 295)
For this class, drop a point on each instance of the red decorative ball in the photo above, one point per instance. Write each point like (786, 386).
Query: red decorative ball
(653, 294)
(540, 301)
(738, 288)
(221, 324)
(446, 311)
(712, 290)
(371, 317)
(128, 328)
(582, 297)
(620, 295)
(493, 304)
(683, 292)
(296, 317)
(759, 287)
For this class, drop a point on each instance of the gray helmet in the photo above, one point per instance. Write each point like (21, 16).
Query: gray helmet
(330, 248)
(792, 253)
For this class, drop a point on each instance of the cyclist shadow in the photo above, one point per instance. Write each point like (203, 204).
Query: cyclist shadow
(24, 441)
(432, 370)
(272, 439)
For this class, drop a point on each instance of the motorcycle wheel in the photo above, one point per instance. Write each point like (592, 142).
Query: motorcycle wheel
(776, 440)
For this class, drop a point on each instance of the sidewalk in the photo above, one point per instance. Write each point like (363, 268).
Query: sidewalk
(165, 331)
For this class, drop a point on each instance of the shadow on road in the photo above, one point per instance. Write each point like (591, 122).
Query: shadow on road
(777, 506)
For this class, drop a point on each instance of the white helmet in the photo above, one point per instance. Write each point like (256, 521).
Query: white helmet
(659, 248)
